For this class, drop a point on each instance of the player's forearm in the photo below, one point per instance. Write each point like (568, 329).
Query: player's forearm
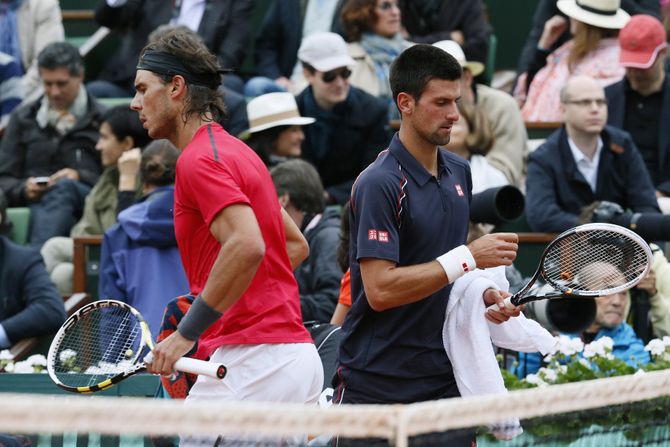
(397, 286)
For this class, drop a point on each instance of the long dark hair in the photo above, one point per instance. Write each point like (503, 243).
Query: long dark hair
(264, 142)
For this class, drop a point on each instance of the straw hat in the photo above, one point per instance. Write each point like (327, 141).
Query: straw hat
(600, 13)
(453, 48)
(272, 110)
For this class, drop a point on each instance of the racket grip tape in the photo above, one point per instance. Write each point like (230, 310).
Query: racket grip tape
(508, 304)
(201, 367)
(195, 366)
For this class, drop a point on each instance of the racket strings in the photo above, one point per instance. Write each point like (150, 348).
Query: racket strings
(100, 345)
(601, 261)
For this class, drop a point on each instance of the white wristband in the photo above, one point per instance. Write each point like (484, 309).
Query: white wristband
(457, 262)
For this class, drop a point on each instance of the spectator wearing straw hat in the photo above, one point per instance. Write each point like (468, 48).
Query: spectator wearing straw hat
(351, 125)
(275, 127)
(546, 9)
(510, 146)
(640, 103)
(593, 51)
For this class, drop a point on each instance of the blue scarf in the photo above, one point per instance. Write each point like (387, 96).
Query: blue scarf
(383, 51)
(9, 35)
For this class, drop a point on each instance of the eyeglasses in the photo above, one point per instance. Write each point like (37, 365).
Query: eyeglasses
(331, 75)
(385, 6)
(600, 102)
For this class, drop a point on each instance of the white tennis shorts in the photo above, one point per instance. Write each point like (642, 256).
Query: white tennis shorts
(260, 373)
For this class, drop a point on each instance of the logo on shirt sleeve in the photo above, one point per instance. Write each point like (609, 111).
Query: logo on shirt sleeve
(459, 190)
(378, 235)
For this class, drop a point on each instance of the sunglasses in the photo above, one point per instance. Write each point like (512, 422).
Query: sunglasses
(385, 6)
(331, 75)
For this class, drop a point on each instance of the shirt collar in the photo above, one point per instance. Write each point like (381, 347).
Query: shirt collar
(579, 156)
(412, 166)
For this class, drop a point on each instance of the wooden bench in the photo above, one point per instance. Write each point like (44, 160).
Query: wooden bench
(86, 261)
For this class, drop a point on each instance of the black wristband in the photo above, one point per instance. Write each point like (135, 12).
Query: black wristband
(198, 318)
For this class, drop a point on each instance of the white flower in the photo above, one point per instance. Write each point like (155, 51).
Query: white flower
(37, 360)
(67, 355)
(9, 368)
(535, 379)
(6, 354)
(607, 343)
(547, 374)
(585, 363)
(601, 348)
(23, 368)
(569, 346)
(656, 347)
(639, 372)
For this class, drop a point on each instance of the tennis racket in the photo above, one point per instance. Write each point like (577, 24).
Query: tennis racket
(588, 261)
(105, 342)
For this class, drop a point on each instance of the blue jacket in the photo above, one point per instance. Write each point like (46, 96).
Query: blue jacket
(30, 305)
(556, 191)
(627, 347)
(140, 262)
(616, 99)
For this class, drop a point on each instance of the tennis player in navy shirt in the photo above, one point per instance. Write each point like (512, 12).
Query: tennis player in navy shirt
(409, 223)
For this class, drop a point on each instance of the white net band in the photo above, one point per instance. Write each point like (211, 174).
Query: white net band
(113, 415)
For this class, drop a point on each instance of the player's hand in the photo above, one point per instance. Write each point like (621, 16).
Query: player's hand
(492, 250)
(167, 352)
(503, 312)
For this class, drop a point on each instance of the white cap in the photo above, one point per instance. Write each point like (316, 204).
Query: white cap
(325, 51)
(272, 110)
(454, 49)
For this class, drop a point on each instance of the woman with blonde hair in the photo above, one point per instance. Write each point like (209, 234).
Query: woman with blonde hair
(592, 51)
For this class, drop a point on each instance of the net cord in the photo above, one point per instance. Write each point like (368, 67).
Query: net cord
(59, 414)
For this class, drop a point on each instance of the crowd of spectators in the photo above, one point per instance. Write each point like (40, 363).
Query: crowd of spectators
(317, 108)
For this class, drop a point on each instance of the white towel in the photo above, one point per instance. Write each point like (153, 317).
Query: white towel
(467, 337)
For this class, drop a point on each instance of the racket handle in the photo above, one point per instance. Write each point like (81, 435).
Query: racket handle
(195, 366)
(508, 304)
(201, 367)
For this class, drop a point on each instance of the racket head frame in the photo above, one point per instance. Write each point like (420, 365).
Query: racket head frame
(54, 348)
(566, 292)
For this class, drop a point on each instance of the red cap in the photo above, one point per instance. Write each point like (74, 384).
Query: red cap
(640, 41)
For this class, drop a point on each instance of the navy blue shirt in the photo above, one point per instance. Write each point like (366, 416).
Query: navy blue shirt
(401, 213)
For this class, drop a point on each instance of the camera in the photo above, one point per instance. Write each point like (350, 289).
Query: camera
(650, 226)
(568, 315)
(497, 205)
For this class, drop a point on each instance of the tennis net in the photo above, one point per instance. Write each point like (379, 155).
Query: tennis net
(619, 411)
